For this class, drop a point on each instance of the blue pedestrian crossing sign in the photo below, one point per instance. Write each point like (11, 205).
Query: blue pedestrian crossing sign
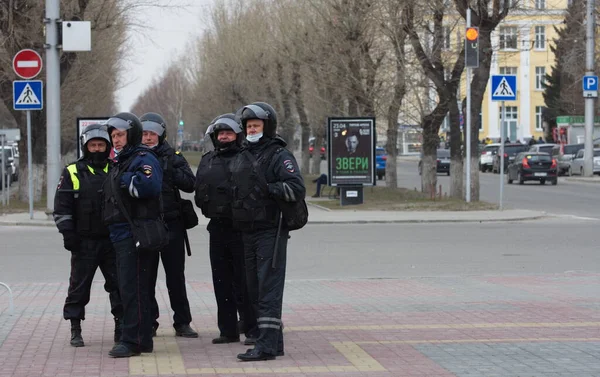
(28, 95)
(504, 87)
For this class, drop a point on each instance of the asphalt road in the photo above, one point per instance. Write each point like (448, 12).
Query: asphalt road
(567, 198)
(35, 254)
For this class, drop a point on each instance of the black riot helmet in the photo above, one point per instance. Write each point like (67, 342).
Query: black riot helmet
(127, 122)
(99, 132)
(155, 122)
(263, 111)
(226, 122)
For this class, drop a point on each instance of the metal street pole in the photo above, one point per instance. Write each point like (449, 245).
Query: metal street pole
(29, 165)
(588, 161)
(467, 128)
(53, 168)
(501, 154)
(4, 155)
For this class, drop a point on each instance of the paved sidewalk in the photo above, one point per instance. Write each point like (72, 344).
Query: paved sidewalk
(502, 326)
(321, 215)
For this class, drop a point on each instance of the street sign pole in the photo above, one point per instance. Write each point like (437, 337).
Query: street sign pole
(4, 183)
(467, 128)
(53, 168)
(501, 154)
(29, 165)
(588, 161)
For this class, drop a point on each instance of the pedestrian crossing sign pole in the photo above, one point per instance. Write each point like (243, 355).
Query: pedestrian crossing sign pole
(504, 88)
(28, 95)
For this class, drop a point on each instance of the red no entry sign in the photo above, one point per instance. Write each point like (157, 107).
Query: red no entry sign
(27, 64)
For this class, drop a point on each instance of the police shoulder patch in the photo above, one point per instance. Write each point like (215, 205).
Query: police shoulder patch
(147, 169)
(289, 166)
(60, 181)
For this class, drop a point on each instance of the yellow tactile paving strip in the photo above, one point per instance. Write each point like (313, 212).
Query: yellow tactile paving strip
(167, 359)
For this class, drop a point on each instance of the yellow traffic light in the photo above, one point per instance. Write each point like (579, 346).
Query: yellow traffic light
(472, 33)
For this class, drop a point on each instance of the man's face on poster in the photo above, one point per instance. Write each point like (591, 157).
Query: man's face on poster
(352, 143)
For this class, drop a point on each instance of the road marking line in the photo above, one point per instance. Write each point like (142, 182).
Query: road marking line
(574, 217)
(493, 340)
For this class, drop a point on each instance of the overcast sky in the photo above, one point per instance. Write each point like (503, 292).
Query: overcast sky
(164, 37)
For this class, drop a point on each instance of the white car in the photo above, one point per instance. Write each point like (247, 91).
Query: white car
(576, 166)
(486, 160)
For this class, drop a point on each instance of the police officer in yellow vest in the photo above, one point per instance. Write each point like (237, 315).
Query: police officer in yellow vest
(77, 214)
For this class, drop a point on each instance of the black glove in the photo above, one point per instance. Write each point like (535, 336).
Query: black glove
(72, 241)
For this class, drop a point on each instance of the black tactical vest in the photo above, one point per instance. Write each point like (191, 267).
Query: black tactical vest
(87, 185)
(170, 202)
(252, 209)
(137, 208)
(213, 187)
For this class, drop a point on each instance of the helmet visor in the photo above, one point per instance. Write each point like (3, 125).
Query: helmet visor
(226, 124)
(209, 130)
(258, 111)
(118, 123)
(95, 133)
(157, 128)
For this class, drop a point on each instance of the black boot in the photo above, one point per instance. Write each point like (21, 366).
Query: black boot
(76, 339)
(118, 331)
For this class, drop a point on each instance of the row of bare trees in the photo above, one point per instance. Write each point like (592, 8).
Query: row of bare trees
(317, 58)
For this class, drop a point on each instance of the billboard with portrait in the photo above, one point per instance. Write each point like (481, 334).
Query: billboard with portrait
(82, 123)
(351, 151)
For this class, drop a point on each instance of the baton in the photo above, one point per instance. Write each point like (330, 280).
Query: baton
(187, 243)
(276, 248)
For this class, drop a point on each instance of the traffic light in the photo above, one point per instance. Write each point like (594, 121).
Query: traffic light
(472, 47)
(181, 123)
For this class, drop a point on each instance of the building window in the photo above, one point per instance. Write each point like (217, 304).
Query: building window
(508, 37)
(538, 118)
(508, 71)
(540, 37)
(540, 4)
(446, 42)
(511, 113)
(540, 78)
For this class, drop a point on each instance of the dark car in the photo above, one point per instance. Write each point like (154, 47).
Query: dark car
(442, 163)
(510, 151)
(533, 166)
(381, 159)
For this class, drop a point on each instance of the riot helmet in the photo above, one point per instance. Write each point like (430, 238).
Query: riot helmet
(226, 122)
(99, 132)
(127, 122)
(263, 111)
(155, 123)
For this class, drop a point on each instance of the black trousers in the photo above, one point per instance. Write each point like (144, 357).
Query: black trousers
(173, 260)
(134, 276)
(229, 280)
(93, 253)
(265, 284)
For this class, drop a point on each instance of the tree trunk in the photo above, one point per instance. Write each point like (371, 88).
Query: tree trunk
(428, 161)
(456, 154)
(391, 147)
(286, 125)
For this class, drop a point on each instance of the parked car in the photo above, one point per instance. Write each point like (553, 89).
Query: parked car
(533, 166)
(13, 162)
(381, 159)
(546, 148)
(565, 156)
(486, 159)
(510, 151)
(311, 148)
(576, 166)
(442, 163)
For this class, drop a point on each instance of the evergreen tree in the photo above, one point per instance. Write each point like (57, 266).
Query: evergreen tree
(562, 94)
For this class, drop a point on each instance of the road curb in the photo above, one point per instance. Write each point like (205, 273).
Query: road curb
(25, 223)
(432, 221)
(318, 206)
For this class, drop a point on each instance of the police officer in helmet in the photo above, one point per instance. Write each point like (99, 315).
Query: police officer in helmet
(263, 172)
(177, 175)
(135, 182)
(76, 206)
(213, 197)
